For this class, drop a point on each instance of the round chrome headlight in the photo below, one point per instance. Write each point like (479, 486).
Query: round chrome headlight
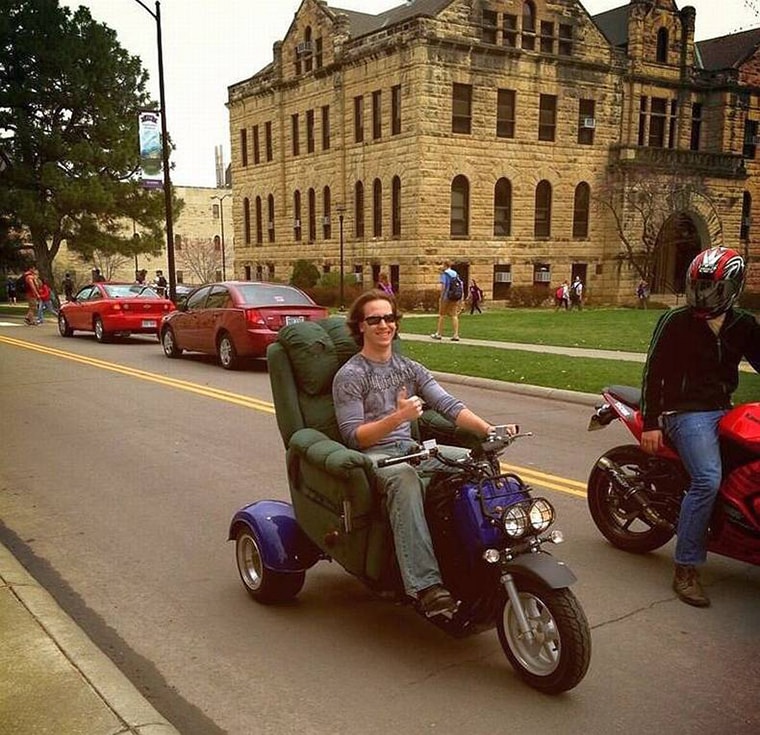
(541, 515)
(516, 521)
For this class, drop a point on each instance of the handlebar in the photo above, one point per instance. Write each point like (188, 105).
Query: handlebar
(498, 440)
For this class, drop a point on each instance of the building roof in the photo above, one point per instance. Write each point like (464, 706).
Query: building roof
(728, 52)
(363, 23)
(614, 25)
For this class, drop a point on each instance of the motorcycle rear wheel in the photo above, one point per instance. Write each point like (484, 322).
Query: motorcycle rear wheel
(264, 585)
(556, 656)
(621, 522)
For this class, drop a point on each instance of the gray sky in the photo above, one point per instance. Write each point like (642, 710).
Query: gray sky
(210, 44)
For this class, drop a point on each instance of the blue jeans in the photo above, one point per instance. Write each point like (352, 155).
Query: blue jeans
(695, 436)
(404, 497)
(45, 305)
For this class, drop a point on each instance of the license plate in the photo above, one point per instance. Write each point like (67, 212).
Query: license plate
(149, 324)
(294, 319)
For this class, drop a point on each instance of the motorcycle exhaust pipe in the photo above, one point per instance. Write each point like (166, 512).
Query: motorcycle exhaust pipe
(633, 490)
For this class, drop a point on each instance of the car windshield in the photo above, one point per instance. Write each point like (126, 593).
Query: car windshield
(130, 291)
(265, 294)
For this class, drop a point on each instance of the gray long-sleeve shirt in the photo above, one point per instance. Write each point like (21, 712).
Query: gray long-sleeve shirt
(366, 391)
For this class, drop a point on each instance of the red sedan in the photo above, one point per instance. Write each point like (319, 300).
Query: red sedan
(235, 319)
(113, 309)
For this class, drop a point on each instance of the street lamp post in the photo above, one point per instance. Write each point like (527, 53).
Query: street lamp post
(341, 211)
(164, 150)
(221, 216)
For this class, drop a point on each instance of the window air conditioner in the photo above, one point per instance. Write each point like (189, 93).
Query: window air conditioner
(756, 140)
(542, 277)
(304, 47)
(271, 224)
(325, 221)
(589, 122)
(297, 223)
(502, 277)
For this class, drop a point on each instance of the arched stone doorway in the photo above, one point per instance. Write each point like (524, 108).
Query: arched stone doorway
(677, 244)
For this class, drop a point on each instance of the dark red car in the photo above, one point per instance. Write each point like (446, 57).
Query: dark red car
(113, 309)
(235, 319)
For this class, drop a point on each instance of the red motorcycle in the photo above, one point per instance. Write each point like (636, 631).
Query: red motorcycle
(635, 498)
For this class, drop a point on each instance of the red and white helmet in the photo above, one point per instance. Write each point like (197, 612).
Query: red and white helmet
(714, 281)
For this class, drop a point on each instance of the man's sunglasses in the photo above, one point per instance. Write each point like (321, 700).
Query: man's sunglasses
(373, 321)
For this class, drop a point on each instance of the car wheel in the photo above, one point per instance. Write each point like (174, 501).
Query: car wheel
(228, 356)
(63, 326)
(169, 343)
(100, 333)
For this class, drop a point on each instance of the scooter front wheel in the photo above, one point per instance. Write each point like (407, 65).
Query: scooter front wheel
(553, 656)
(263, 584)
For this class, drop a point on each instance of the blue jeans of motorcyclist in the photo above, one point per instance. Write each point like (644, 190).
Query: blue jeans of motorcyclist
(404, 498)
(695, 435)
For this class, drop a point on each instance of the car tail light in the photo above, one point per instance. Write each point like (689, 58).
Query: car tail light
(253, 316)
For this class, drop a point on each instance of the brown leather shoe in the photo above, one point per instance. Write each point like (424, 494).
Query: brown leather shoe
(688, 588)
(437, 600)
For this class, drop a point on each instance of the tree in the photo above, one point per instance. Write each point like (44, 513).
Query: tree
(305, 274)
(201, 259)
(69, 103)
(641, 204)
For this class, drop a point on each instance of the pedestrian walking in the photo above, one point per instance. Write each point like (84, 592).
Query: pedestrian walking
(384, 284)
(476, 296)
(10, 289)
(160, 283)
(31, 283)
(45, 302)
(449, 304)
(68, 287)
(642, 293)
(576, 294)
(97, 276)
(562, 297)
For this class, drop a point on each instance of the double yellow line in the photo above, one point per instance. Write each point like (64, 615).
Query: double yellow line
(531, 476)
(215, 393)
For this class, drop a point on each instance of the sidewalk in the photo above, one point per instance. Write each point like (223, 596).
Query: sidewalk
(53, 678)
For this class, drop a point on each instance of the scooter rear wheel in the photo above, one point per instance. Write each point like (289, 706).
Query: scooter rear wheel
(621, 521)
(263, 584)
(556, 654)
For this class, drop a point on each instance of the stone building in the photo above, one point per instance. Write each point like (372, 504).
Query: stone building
(525, 141)
(204, 244)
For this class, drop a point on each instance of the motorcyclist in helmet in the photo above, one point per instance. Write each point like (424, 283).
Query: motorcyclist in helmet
(692, 369)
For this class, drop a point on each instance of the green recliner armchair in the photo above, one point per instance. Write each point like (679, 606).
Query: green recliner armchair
(331, 486)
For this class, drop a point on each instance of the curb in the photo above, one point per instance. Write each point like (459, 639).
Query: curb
(98, 673)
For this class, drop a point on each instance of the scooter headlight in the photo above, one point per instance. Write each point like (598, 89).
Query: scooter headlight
(541, 515)
(516, 521)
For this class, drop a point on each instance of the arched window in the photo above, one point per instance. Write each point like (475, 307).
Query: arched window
(542, 222)
(662, 45)
(502, 208)
(359, 209)
(247, 221)
(746, 215)
(312, 215)
(581, 207)
(529, 26)
(326, 213)
(460, 207)
(217, 243)
(259, 226)
(297, 215)
(396, 207)
(377, 208)
(308, 49)
(270, 223)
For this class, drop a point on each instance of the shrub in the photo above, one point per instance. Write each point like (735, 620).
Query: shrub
(305, 274)
(529, 296)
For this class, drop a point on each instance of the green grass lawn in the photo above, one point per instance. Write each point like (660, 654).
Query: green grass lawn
(607, 329)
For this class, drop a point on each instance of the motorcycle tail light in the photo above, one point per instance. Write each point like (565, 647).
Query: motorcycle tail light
(515, 521)
(541, 515)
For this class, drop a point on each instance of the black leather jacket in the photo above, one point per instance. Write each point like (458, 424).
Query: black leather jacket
(689, 368)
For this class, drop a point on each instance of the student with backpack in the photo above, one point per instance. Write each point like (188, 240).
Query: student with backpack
(452, 291)
(29, 285)
(576, 294)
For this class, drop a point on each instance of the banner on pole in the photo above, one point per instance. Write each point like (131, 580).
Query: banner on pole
(151, 159)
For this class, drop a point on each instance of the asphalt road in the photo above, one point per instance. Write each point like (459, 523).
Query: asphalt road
(120, 470)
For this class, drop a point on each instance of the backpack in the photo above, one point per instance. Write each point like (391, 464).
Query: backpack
(455, 290)
(21, 285)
